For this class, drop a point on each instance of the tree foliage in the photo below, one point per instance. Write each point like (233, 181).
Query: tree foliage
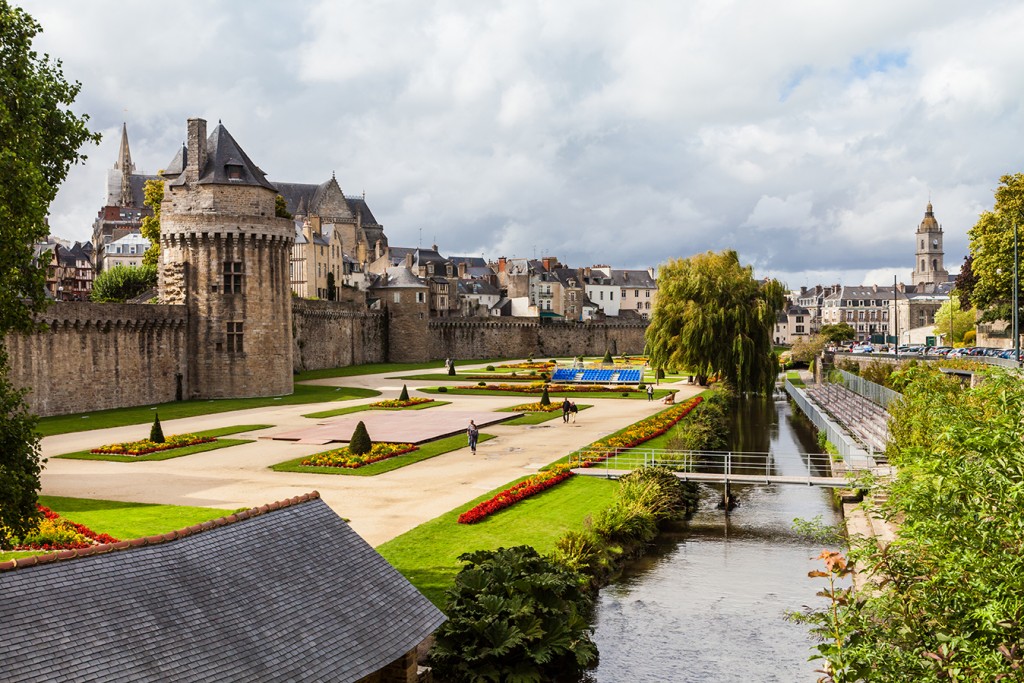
(962, 320)
(360, 442)
(806, 349)
(965, 283)
(991, 244)
(156, 432)
(838, 332)
(281, 207)
(153, 197)
(951, 605)
(714, 318)
(514, 616)
(40, 139)
(121, 283)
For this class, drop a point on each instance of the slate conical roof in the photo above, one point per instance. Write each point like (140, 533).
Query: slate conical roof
(222, 152)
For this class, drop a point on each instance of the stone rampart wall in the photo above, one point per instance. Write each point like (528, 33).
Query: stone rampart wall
(98, 356)
(502, 339)
(330, 334)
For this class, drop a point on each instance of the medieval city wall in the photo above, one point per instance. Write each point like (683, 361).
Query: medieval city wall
(99, 356)
(329, 334)
(467, 340)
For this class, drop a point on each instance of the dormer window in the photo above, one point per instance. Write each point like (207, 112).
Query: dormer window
(234, 171)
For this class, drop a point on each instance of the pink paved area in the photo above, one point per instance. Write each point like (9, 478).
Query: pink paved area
(395, 426)
(379, 507)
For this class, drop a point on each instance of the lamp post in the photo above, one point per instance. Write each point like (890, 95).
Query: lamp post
(1016, 305)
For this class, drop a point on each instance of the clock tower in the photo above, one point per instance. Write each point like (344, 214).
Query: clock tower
(928, 268)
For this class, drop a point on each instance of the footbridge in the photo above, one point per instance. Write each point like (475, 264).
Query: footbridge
(714, 467)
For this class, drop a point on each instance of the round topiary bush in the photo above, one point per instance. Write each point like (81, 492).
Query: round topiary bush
(442, 390)
(404, 396)
(625, 394)
(641, 386)
(360, 442)
(490, 368)
(481, 384)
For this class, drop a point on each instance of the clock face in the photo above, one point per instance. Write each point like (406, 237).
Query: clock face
(935, 243)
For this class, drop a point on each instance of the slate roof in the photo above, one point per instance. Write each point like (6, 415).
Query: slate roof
(284, 592)
(398, 278)
(639, 279)
(304, 198)
(221, 151)
(477, 288)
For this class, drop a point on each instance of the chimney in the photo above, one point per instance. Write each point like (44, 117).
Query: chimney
(408, 260)
(197, 148)
(501, 264)
(462, 270)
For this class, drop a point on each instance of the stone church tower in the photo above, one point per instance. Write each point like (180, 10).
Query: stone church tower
(225, 255)
(928, 267)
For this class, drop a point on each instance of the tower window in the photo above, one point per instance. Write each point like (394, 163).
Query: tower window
(233, 272)
(234, 337)
(234, 172)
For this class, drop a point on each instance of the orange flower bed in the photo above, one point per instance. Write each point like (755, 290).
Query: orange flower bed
(396, 403)
(145, 446)
(343, 457)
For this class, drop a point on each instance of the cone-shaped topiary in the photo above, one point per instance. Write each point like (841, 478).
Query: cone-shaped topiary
(156, 432)
(451, 368)
(545, 400)
(360, 442)
(404, 396)
(607, 360)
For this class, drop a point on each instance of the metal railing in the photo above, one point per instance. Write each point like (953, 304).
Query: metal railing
(875, 393)
(851, 452)
(725, 463)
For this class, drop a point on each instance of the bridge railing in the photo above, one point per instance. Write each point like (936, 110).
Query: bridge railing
(726, 463)
(851, 452)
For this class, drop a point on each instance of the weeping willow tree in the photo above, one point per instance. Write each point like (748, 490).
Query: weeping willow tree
(713, 318)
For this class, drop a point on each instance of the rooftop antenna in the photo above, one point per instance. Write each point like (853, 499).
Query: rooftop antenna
(420, 242)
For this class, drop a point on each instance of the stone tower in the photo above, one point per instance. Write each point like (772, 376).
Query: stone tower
(225, 255)
(928, 267)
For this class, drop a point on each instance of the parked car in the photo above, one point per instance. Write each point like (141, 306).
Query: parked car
(863, 348)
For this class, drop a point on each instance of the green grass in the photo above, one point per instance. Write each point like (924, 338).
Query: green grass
(538, 418)
(794, 377)
(428, 554)
(376, 368)
(475, 376)
(359, 409)
(174, 452)
(123, 520)
(426, 451)
(658, 393)
(119, 417)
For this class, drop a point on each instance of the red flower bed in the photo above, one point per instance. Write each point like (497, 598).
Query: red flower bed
(538, 388)
(524, 489)
(638, 433)
(57, 533)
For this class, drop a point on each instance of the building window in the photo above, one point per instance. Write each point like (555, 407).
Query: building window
(623, 294)
(636, 293)
(234, 172)
(234, 337)
(647, 305)
(420, 297)
(799, 329)
(647, 293)
(611, 296)
(601, 295)
(233, 277)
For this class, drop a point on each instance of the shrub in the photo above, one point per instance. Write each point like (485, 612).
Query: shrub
(442, 390)
(451, 368)
(659, 374)
(404, 396)
(626, 523)
(120, 283)
(582, 552)
(156, 432)
(607, 360)
(490, 368)
(625, 394)
(658, 490)
(513, 615)
(707, 428)
(545, 400)
(641, 386)
(481, 384)
(970, 337)
(360, 443)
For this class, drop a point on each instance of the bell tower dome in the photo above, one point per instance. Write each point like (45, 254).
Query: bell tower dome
(928, 266)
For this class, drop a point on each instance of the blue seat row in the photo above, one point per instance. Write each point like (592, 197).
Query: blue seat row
(597, 376)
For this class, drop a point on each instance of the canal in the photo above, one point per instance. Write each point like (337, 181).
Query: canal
(708, 602)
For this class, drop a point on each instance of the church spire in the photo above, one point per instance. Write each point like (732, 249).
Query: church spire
(125, 165)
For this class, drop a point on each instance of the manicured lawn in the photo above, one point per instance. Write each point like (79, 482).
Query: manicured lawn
(475, 376)
(425, 451)
(377, 368)
(359, 409)
(658, 393)
(174, 452)
(538, 418)
(794, 377)
(428, 554)
(119, 417)
(123, 520)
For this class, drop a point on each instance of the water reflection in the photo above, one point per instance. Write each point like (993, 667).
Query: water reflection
(707, 604)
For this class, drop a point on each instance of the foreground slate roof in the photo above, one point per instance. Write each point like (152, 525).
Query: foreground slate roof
(285, 592)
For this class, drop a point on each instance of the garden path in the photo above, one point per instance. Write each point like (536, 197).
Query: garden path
(379, 507)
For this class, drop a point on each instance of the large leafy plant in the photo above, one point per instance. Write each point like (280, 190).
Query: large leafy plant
(514, 616)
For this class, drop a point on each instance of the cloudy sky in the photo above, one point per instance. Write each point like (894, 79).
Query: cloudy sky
(807, 135)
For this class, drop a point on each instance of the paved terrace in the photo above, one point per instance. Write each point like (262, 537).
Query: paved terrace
(379, 507)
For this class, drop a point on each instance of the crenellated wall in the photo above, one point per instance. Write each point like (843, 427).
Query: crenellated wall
(98, 356)
(329, 334)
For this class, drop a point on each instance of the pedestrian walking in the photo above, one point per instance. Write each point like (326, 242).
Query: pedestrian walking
(573, 410)
(473, 433)
(650, 392)
(565, 409)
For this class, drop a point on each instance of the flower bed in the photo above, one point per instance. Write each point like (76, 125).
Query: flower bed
(56, 533)
(396, 403)
(524, 489)
(535, 408)
(638, 433)
(536, 365)
(145, 446)
(538, 388)
(634, 435)
(342, 457)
